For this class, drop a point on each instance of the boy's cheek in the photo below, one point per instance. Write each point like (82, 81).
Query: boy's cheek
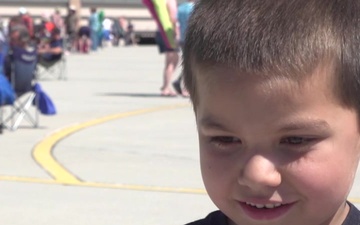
(211, 164)
(358, 150)
(219, 171)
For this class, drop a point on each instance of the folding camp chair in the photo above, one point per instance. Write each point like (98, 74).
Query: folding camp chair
(51, 69)
(53, 66)
(22, 80)
(7, 96)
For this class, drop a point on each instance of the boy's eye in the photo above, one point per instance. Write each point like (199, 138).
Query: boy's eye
(225, 141)
(296, 140)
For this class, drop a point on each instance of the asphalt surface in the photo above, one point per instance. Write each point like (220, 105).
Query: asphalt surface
(116, 152)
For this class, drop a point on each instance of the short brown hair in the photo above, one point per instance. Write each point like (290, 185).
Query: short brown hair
(286, 37)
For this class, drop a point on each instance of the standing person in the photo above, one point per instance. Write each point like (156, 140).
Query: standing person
(94, 25)
(184, 11)
(101, 18)
(130, 38)
(48, 25)
(57, 19)
(107, 25)
(71, 24)
(117, 32)
(27, 20)
(124, 24)
(171, 53)
(275, 91)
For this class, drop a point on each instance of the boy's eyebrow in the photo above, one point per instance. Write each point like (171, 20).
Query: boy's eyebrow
(209, 122)
(312, 124)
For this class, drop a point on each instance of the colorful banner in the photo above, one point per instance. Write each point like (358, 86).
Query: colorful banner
(159, 12)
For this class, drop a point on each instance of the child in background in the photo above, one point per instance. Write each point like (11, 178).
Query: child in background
(275, 89)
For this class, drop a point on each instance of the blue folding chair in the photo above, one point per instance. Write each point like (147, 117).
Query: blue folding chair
(7, 97)
(22, 79)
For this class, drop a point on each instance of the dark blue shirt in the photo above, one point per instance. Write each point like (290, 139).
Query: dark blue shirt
(218, 218)
(26, 55)
(53, 44)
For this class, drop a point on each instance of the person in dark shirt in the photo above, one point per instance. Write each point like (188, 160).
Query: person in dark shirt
(275, 90)
(22, 50)
(52, 49)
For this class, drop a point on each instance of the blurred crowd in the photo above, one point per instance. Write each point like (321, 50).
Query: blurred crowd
(99, 31)
(48, 38)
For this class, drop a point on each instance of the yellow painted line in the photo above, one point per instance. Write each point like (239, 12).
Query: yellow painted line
(105, 185)
(120, 186)
(144, 188)
(42, 152)
(354, 200)
(27, 180)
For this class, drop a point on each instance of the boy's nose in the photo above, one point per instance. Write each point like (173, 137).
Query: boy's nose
(259, 174)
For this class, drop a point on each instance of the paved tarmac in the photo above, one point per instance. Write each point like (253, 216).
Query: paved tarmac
(116, 152)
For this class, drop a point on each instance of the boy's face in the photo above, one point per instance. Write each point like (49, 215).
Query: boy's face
(276, 151)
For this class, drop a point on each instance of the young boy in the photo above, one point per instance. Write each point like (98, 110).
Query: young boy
(275, 87)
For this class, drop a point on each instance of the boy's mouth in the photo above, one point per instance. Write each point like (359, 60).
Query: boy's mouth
(268, 211)
(266, 206)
